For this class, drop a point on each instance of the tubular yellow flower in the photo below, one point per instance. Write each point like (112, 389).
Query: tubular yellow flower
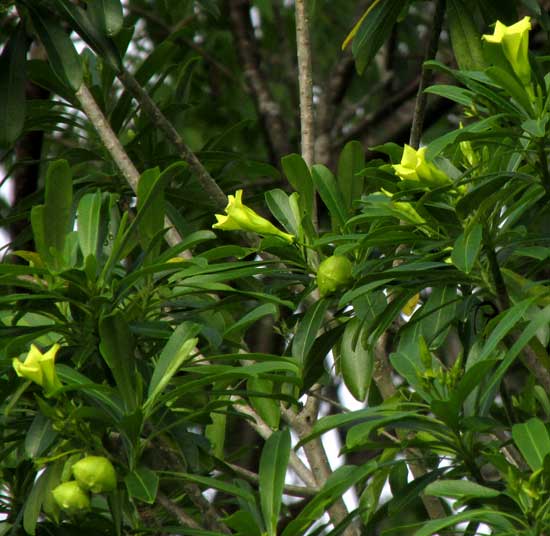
(39, 368)
(239, 217)
(414, 167)
(514, 42)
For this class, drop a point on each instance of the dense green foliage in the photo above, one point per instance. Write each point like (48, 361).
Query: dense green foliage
(160, 341)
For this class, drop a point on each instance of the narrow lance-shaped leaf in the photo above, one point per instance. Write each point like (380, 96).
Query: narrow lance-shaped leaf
(466, 248)
(62, 54)
(12, 87)
(299, 176)
(465, 37)
(108, 14)
(175, 353)
(273, 467)
(307, 330)
(374, 28)
(330, 193)
(117, 348)
(356, 360)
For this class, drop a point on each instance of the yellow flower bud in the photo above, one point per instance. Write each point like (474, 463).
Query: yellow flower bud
(39, 368)
(334, 273)
(514, 42)
(95, 473)
(239, 217)
(414, 167)
(71, 497)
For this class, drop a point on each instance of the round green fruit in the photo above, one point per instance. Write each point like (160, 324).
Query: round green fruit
(70, 497)
(333, 274)
(95, 473)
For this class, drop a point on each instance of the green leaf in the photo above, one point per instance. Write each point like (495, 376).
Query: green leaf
(89, 220)
(375, 27)
(533, 441)
(299, 176)
(487, 516)
(457, 94)
(330, 194)
(307, 330)
(52, 222)
(267, 408)
(79, 20)
(109, 15)
(39, 495)
(117, 348)
(62, 54)
(337, 483)
(266, 309)
(459, 489)
(12, 87)
(513, 87)
(436, 315)
(39, 436)
(356, 360)
(350, 163)
(273, 467)
(466, 248)
(151, 210)
(142, 484)
(279, 205)
(214, 483)
(176, 351)
(465, 37)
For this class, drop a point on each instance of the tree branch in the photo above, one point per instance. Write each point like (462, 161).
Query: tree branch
(265, 431)
(159, 120)
(119, 155)
(317, 457)
(425, 77)
(179, 513)
(268, 109)
(305, 81)
(295, 491)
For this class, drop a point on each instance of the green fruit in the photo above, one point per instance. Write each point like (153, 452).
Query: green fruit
(95, 473)
(333, 274)
(71, 497)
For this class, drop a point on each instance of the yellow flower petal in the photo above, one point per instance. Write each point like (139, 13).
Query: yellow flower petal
(239, 217)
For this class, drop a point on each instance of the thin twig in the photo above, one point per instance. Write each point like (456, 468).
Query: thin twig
(119, 155)
(179, 513)
(317, 457)
(265, 431)
(269, 110)
(295, 491)
(159, 120)
(422, 98)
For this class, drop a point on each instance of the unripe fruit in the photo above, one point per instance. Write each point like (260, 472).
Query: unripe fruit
(333, 274)
(71, 497)
(95, 473)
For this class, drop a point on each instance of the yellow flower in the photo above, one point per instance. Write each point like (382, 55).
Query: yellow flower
(239, 217)
(39, 368)
(414, 167)
(514, 42)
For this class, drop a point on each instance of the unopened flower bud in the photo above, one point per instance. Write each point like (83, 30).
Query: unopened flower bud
(333, 274)
(71, 497)
(95, 473)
